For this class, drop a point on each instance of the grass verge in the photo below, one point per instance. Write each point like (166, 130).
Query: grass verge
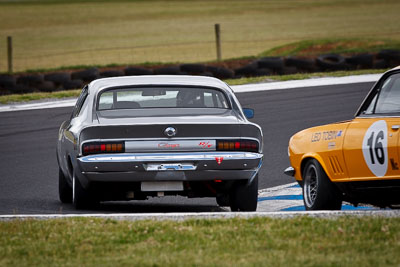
(346, 241)
(68, 33)
(336, 46)
(301, 76)
(18, 98)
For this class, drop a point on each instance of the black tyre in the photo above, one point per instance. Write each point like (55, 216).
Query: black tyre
(300, 63)
(365, 60)
(58, 78)
(275, 63)
(30, 79)
(244, 196)
(331, 62)
(137, 71)
(206, 73)
(73, 84)
(380, 64)
(64, 189)
(222, 200)
(80, 196)
(87, 75)
(319, 193)
(21, 88)
(248, 70)
(193, 68)
(46, 86)
(263, 72)
(7, 81)
(389, 54)
(220, 72)
(111, 73)
(288, 70)
(172, 70)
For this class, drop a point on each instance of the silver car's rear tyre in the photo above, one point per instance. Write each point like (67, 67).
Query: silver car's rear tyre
(319, 193)
(64, 189)
(80, 196)
(244, 196)
(222, 200)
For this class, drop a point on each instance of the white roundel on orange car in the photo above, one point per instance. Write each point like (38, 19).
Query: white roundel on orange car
(374, 148)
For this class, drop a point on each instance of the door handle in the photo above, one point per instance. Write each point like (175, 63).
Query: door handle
(395, 127)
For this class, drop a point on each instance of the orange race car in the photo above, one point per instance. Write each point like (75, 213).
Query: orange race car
(357, 161)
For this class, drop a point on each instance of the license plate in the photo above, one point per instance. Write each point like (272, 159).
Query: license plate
(162, 186)
(171, 167)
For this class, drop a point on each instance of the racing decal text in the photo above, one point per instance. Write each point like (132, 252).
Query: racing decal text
(325, 136)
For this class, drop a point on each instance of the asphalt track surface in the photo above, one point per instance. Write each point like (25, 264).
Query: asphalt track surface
(29, 171)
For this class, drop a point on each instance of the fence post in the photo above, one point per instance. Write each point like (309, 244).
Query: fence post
(9, 54)
(218, 41)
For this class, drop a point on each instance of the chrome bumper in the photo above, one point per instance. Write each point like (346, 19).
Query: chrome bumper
(170, 157)
(140, 166)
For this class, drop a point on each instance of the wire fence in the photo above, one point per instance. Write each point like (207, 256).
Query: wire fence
(23, 58)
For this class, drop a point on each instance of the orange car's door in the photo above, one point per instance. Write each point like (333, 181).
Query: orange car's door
(371, 142)
(370, 148)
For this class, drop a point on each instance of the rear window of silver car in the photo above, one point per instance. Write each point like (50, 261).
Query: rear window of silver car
(159, 97)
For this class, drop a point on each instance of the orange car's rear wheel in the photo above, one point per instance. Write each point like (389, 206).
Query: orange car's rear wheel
(319, 193)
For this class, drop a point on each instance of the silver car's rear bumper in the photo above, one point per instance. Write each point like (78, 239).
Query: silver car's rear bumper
(197, 166)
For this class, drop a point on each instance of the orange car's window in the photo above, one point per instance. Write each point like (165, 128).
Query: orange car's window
(389, 96)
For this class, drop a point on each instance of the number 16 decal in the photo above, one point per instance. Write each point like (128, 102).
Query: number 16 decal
(374, 148)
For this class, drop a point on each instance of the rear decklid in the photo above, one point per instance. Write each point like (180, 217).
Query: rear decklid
(209, 124)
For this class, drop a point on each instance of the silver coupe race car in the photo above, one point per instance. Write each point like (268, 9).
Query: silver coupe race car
(141, 136)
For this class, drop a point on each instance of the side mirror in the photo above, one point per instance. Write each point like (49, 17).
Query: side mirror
(248, 112)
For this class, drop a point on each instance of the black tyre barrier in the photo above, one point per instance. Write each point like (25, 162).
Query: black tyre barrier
(331, 62)
(111, 73)
(73, 84)
(172, 70)
(7, 81)
(300, 63)
(275, 63)
(129, 71)
(364, 60)
(46, 86)
(389, 55)
(288, 70)
(192, 68)
(58, 78)
(30, 79)
(4, 91)
(22, 89)
(380, 64)
(87, 75)
(248, 70)
(220, 72)
(263, 72)
(26, 83)
(206, 73)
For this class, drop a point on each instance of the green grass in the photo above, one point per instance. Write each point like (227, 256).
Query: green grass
(301, 76)
(301, 241)
(16, 98)
(337, 46)
(52, 34)
(4, 99)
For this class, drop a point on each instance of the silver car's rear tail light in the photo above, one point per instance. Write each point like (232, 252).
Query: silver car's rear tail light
(237, 145)
(103, 147)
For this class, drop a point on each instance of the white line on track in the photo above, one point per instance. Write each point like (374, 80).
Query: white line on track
(272, 211)
(209, 215)
(237, 88)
